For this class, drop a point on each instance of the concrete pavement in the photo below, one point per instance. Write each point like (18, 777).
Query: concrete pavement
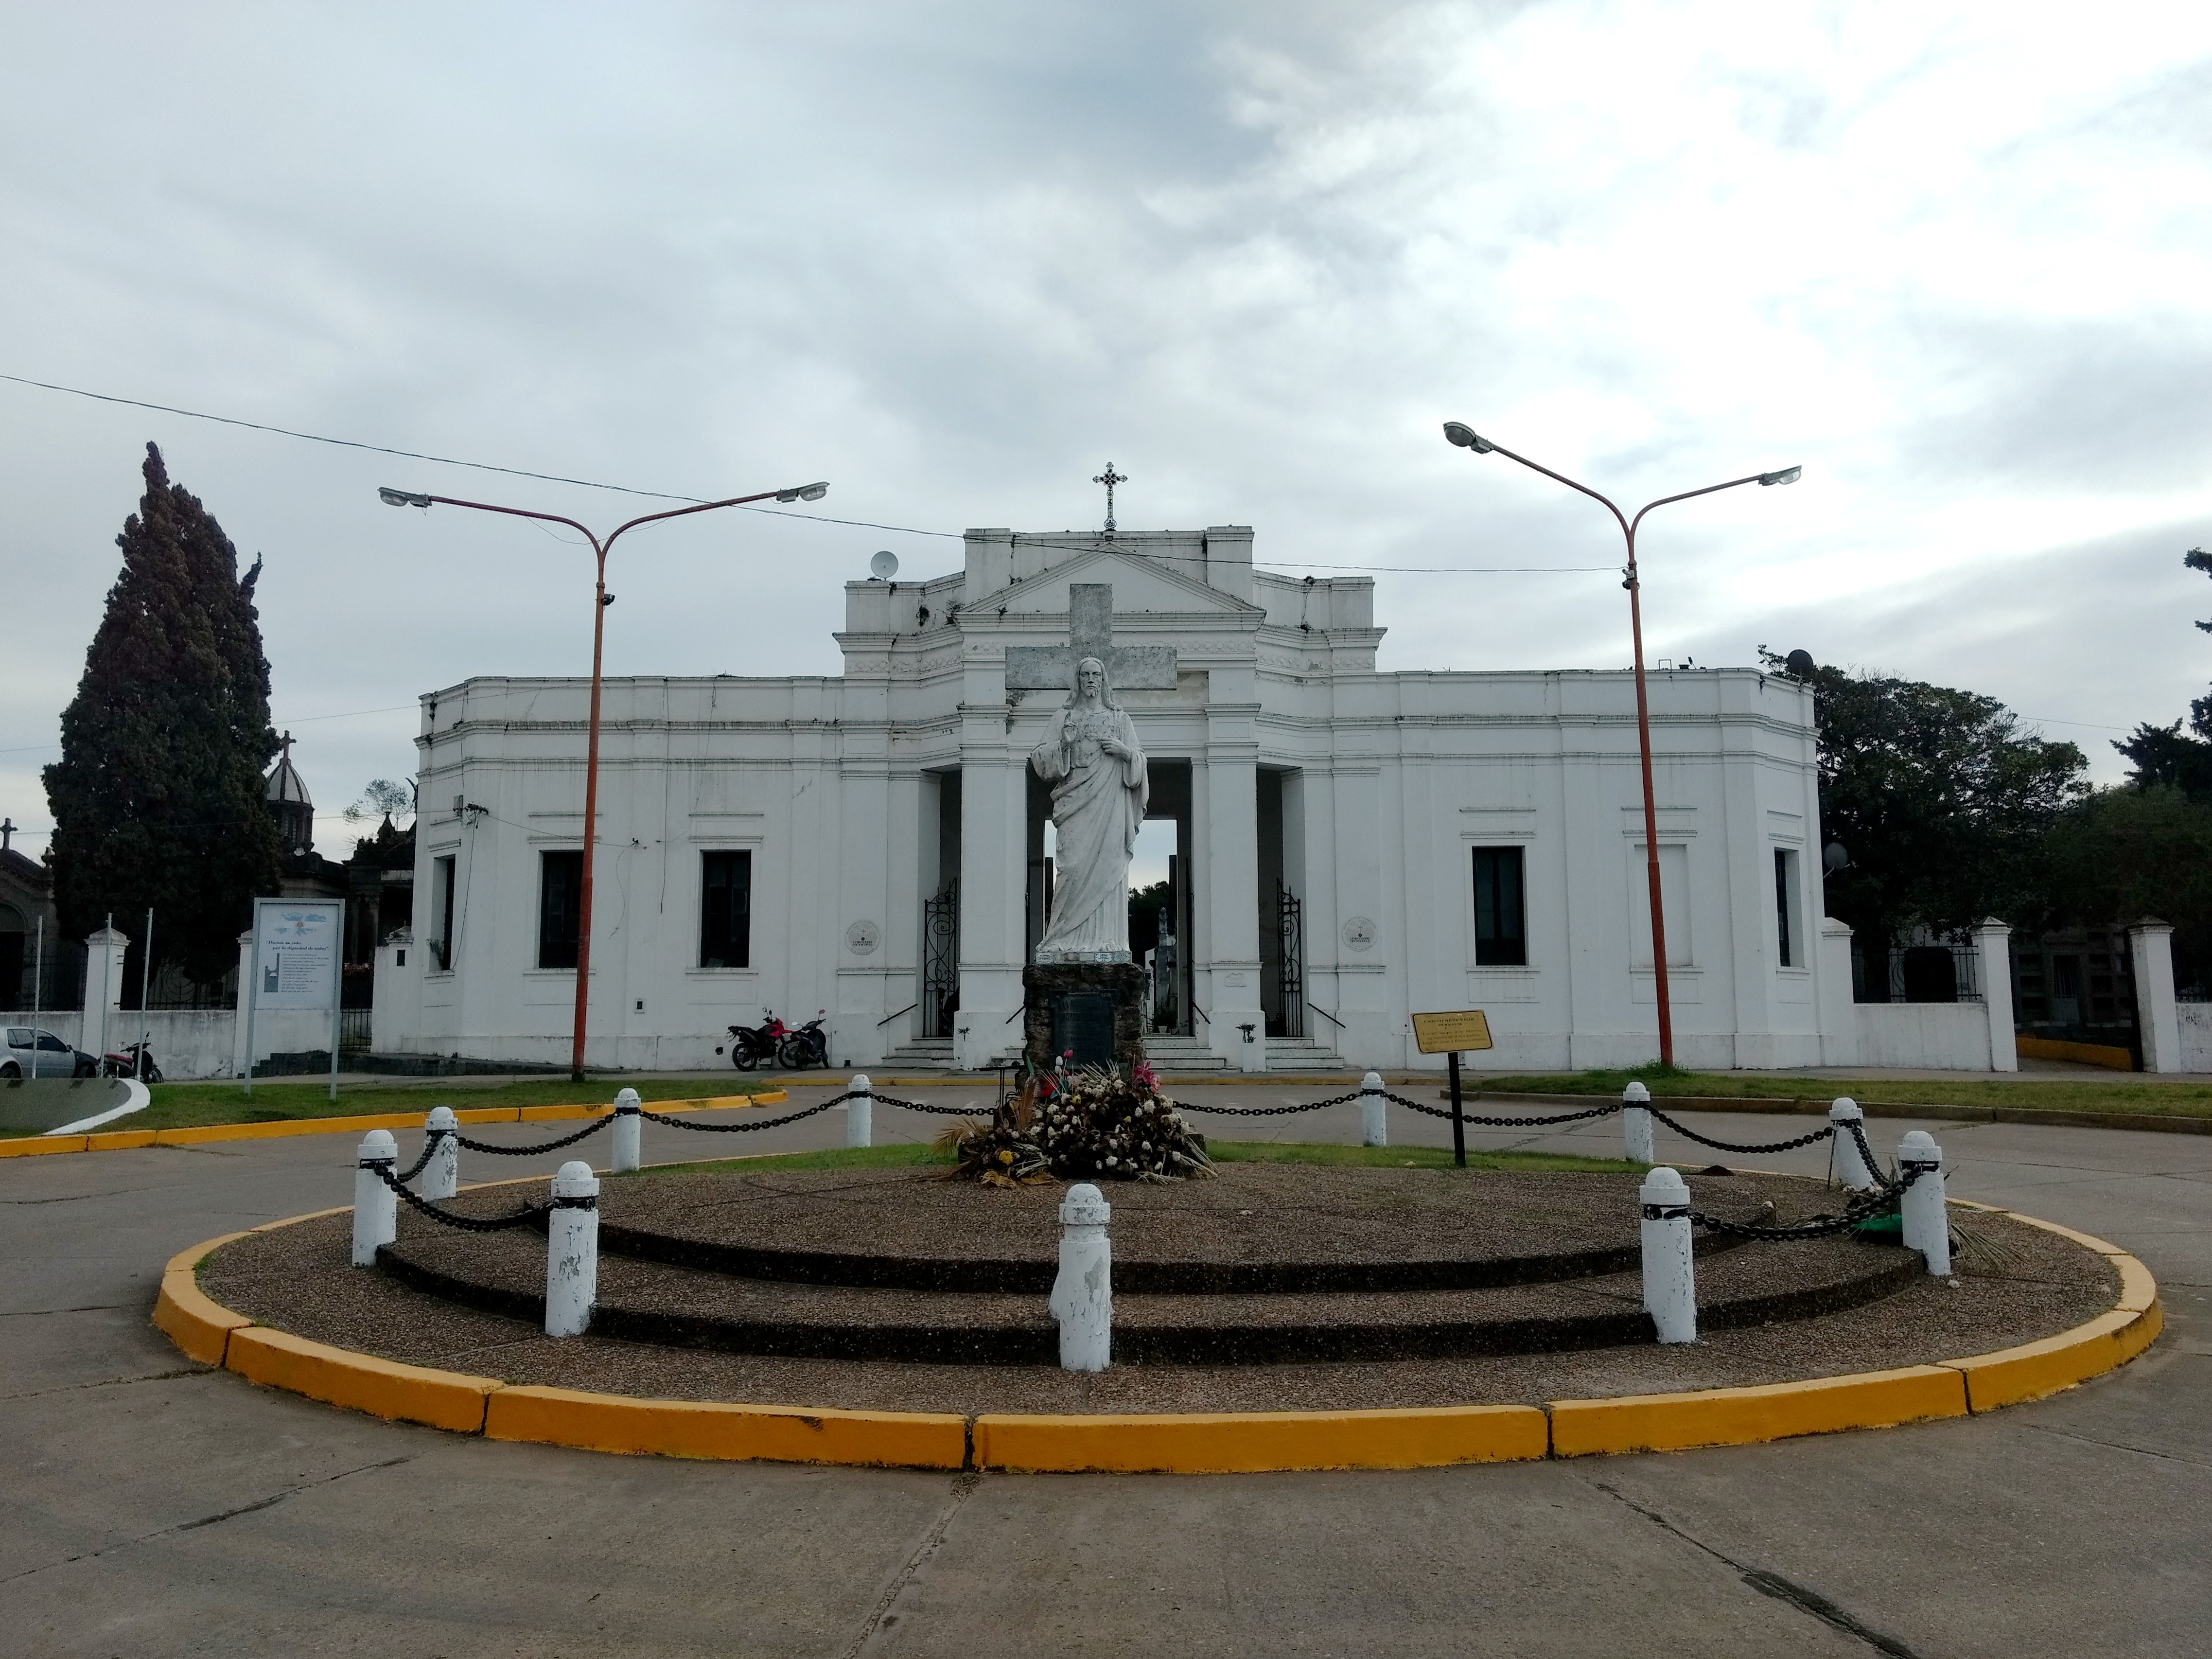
(157, 1508)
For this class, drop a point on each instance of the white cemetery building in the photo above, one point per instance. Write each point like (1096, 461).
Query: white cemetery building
(1351, 845)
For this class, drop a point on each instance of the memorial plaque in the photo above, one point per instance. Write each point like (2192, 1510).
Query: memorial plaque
(1451, 1033)
(1083, 1021)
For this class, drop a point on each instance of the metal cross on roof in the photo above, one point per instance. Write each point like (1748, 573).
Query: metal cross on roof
(7, 833)
(1110, 477)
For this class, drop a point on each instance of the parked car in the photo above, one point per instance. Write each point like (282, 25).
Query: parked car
(32, 1053)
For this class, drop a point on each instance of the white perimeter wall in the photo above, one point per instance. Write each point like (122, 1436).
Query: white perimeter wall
(2196, 1035)
(187, 1042)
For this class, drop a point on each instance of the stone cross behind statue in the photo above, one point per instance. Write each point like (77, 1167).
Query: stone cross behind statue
(1091, 633)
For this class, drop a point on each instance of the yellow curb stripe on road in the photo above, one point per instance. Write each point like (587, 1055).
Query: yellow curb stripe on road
(1220, 1443)
(1184, 1442)
(200, 1134)
(1747, 1417)
(691, 1428)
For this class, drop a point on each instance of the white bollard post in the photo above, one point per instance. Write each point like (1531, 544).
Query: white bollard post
(1670, 1272)
(1374, 1127)
(375, 1206)
(1083, 1295)
(860, 1113)
(629, 1131)
(572, 1251)
(441, 1175)
(1851, 1163)
(1927, 1222)
(1636, 1125)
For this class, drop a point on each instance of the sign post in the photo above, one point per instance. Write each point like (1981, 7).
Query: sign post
(1449, 1035)
(294, 966)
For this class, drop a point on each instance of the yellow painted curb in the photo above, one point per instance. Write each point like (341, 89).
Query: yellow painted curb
(690, 1428)
(196, 1323)
(771, 1097)
(200, 1134)
(1743, 1417)
(382, 1388)
(119, 1141)
(38, 1145)
(1196, 1442)
(1219, 1443)
(2033, 1370)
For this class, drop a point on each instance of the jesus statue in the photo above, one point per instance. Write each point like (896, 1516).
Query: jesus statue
(1091, 758)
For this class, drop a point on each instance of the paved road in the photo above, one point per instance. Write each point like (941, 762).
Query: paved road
(156, 1508)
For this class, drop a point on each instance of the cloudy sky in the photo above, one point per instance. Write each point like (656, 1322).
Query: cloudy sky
(1954, 261)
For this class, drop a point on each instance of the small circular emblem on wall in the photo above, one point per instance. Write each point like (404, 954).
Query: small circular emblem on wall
(862, 937)
(1359, 934)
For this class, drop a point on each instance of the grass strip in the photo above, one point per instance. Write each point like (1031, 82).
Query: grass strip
(189, 1105)
(2124, 1093)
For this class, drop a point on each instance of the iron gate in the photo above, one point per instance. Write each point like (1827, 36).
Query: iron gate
(1283, 992)
(940, 962)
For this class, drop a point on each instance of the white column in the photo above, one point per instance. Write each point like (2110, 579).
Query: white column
(628, 1133)
(572, 1251)
(1839, 1014)
(1374, 1126)
(1083, 1295)
(441, 1175)
(375, 1206)
(861, 1112)
(1636, 1125)
(1993, 946)
(1228, 879)
(1927, 1224)
(103, 987)
(239, 1021)
(2150, 951)
(1670, 1273)
(1851, 1163)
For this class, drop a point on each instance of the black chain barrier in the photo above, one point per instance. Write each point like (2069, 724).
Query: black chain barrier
(430, 1139)
(589, 1129)
(747, 1128)
(939, 1111)
(467, 1223)
(1504, 1122)
(1821, 1133)
(1269, 1111)
(1878, 1202)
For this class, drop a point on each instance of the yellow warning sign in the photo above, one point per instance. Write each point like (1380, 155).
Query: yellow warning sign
(1451, 1033)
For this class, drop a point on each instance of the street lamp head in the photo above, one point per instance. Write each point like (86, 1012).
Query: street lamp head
(1788, 475)
(813, 492)
(401, 497)
(1460, 433)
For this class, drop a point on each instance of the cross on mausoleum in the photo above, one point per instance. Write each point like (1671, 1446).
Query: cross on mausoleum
(1110, 477)
(7, 833)
(1091, 633)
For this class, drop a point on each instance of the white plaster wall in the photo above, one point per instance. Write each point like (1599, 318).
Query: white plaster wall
(2196, 1021)
(1939, 1036)
(1398, 775)
(187, 1042)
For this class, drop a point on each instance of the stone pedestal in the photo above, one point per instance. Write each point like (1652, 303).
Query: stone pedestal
(1096, 1008)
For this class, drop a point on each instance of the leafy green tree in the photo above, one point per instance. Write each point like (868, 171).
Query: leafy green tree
(2133, 852)
(1939, 798)
(157, 798)
(2165, 756)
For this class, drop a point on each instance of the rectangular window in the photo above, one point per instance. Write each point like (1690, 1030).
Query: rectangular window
(442, 895)
(1787, 932)
(560, 895)
(1501, 932)
(726, 909)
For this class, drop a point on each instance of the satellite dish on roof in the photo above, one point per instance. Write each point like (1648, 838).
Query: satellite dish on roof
(1801, 664)
(883, 566)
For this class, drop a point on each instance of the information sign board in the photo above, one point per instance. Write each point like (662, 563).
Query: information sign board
(296, 954)
(1451, 1033)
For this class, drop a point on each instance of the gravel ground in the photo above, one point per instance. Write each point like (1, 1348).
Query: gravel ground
(2014, 1284)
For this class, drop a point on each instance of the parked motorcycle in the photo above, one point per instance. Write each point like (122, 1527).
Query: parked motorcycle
(749, 1046)
(807, 1046)
(133, 1059)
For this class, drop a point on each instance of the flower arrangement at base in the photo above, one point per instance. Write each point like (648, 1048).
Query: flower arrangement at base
(1093, 1124)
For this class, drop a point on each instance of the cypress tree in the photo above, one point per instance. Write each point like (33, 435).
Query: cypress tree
(157, 798)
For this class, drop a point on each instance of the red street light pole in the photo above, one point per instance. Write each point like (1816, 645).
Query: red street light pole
(1467, 438)
(813, 492)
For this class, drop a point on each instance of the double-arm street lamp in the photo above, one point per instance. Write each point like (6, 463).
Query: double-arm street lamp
(601, 599)
(1467, 438)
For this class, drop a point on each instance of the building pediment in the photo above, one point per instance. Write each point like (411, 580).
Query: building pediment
(1141, 583)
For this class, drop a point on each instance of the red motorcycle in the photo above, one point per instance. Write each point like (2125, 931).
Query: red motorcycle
(133, 1060)
(750, 1045)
